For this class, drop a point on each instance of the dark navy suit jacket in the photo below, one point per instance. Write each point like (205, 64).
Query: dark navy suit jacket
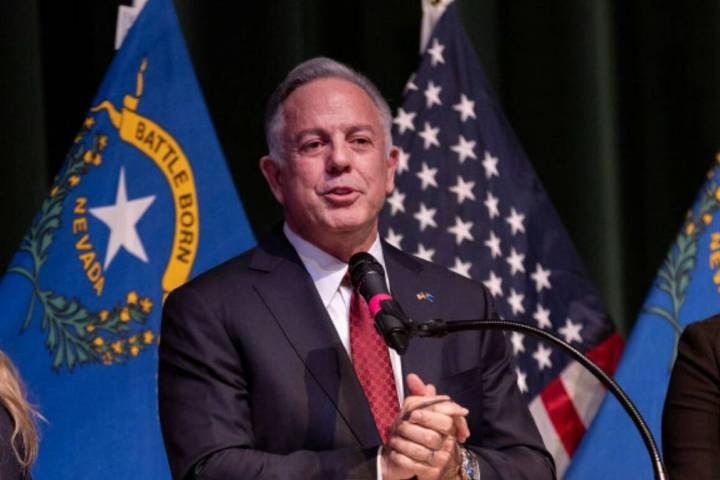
(255, 383)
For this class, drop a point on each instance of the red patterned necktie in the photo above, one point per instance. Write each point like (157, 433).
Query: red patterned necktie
(371, 360)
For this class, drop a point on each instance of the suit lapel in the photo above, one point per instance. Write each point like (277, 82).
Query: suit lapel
(293, 300)
(406, 281)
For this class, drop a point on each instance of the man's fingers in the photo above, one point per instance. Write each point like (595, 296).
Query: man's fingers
(400, 461)
(462, 431)
(439, 404)
(437, 413)
(424, 463)
(416, 403)
(415, 451)
(432, 420)
(426, 437)
(416, 386)
(447, 408)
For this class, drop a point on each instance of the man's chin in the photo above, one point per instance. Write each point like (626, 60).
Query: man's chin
(348, 226)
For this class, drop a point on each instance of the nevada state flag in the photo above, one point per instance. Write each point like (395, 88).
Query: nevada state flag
(143, 202)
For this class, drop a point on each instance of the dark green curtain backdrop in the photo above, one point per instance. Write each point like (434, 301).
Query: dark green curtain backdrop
(617, 103)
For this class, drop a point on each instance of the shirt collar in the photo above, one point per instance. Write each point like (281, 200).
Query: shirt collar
(325, 270)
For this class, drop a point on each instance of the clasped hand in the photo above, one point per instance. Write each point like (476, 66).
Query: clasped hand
(424, 440)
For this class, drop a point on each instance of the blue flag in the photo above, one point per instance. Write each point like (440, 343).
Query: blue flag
(467, 198)
(143, 202)
(685, 290)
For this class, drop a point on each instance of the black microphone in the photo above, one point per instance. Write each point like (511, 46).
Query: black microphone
(368, 278)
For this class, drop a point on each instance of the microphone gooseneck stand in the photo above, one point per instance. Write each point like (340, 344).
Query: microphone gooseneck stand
(440, 328)
(368, 278)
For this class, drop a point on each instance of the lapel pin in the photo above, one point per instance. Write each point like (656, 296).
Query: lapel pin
(425, 296)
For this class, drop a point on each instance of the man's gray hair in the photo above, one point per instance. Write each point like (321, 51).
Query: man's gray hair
(306, 72)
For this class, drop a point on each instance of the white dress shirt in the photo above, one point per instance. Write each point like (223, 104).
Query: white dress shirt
(327, 273)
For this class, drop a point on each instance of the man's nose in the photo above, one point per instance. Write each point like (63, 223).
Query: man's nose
(339, 157)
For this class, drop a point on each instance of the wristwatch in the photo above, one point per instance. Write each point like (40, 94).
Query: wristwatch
(470, 468)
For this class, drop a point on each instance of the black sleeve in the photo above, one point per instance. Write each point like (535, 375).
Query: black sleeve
(10, 468)
(691, 417)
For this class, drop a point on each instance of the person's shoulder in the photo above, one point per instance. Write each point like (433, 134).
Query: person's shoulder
(6, 422)
(9, 465)
(436, 276)
(700, 341)
(237, 273)
(703, 332)
(709, 326)
(232, 269)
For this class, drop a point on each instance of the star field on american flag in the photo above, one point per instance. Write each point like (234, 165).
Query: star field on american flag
(467, 197)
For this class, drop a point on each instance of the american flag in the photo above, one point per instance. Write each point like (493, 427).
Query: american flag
(467, 197)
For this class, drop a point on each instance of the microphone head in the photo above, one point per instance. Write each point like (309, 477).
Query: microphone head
(361, 264)
(368, 279)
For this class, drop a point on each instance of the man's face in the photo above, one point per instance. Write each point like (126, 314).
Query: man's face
(336, 173)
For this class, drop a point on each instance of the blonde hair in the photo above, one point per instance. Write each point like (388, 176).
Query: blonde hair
(24, 438)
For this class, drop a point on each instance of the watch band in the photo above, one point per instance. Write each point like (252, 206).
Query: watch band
(470, 468)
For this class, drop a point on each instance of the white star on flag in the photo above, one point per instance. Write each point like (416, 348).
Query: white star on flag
(394, 239)
(466, 206)
(466, 108)
(122, 219)
(516, 338)
(424, 253)
(425, 216)
(463, 190)
(403, 161)
(436, 52)
(427, 176)
(429, 135)
(461, 230)
(461, 268)
(396, 202)
(542, 356)
(432, 95)
(464, 149)
(541, 277)
(571, 331)
(404, 120)
(489, 163)
(491, 202)
(494, 284)
(515, 260)
(515, 220)
(410, 85)
(542, 316)
(493, 243)
(515, 302)
(521, 380)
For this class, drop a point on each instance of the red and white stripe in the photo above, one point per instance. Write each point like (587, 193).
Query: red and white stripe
(567, 405)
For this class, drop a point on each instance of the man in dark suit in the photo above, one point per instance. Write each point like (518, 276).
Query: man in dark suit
(269, 366)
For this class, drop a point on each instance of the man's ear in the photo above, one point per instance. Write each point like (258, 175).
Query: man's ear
(274, 175)
(392, 164)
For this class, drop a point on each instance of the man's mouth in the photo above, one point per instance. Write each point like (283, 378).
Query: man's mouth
(341, 196)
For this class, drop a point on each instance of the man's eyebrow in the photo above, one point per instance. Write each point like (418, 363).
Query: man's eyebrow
(348, 130)
(308, 131)
(361, 127)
